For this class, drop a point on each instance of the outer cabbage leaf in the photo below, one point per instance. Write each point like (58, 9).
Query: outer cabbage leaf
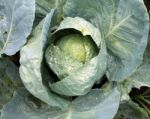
(129, 109)
(124, 88)
(97, 104)
(138, 79)
(141, 77)
(80, 81)
(123, 25)
(16, 20)
(31, 65)
(9, 80)
(44, 7)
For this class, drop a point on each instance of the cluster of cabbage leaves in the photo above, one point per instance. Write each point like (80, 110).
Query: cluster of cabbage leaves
(67, 46)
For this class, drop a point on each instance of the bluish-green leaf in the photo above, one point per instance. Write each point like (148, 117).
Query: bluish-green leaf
(141, 77)
(97, 104)
(131, 110)
(124, 26)
(16, 20)
(43, 7)
(31, 65)
(9, 80)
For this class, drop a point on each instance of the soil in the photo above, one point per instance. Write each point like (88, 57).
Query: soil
(147, 3)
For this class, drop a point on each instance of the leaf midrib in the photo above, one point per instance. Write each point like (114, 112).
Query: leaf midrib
(117, 26)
